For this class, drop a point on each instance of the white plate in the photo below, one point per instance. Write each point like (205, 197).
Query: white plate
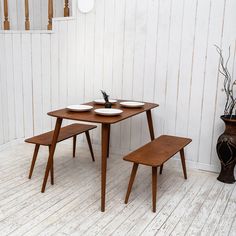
(79, 108)
(132, 104)
(108, 111)
(102, 101)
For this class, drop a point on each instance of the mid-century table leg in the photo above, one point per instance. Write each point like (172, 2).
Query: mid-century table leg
(108, 146)
(150, 124)
(52, 150)
(105, 142)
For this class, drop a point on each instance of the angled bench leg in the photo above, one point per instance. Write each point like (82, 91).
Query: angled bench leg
(161, 169)
(183, 163)
(131, 181)
(52, 169)
(154, 188)
(89, 144)
(36, 150)
(52, 150)
(74, 145)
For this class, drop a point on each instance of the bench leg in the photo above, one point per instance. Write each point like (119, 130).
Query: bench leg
(131, 181)
(74, 145)
(53, 147)
(183, 163)
(89, 144)
(52, 169)
(161, 169)
(154, 188)
(36, 150)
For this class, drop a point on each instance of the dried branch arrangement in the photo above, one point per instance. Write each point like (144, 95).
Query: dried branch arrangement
(229, 85)
(105, 96)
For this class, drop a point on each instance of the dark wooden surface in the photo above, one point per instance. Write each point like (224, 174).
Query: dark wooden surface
(90, 116)
(65, 133)
(158, 151)
(155, 154)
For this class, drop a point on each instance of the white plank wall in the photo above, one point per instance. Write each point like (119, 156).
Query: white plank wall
(156, 50)
(38, 13)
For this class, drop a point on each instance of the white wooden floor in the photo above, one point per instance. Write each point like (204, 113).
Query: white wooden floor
(199, 206)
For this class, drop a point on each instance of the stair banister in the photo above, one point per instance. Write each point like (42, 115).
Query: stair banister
(50, 14)
(66, 9)
(27, 22)
(6, 24)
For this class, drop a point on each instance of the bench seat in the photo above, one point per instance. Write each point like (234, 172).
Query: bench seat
(158, 151)
(155, 154)
(66, 132)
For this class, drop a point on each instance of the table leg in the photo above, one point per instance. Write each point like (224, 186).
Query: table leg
(105, 142)
(108, 146)
(52, 150)
(150, 124)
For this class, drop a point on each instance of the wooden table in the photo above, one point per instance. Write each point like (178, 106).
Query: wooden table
(106, 122)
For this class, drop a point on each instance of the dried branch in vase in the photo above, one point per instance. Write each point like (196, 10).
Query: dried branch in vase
(105, 96)
(229, 85)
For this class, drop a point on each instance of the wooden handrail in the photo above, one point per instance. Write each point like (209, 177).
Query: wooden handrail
(66, 8)
(6, 24)
(27, 22)
(50, 14)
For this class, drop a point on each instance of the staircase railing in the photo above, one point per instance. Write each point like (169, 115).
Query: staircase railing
(6, 23)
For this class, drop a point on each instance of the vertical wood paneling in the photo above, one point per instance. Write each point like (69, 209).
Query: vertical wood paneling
(176, 26)
(161, 62)
(3, 90)
(139, 62)
(63, 64)
(27, 84)
(160, 51)
(18, 85)
(55, 66)
(128, 63)
(89, 56)
(10, 86)
(198, 75)
(119, 23)
(108, 44)
(72, 78)
(210, 84)
(186, 63)
(37, 83)
(98, 57)
(46, 81)
(150, 60)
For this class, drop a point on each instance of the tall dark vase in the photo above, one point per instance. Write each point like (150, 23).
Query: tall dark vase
(226, 150)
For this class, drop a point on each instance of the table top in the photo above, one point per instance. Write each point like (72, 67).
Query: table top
(90, 116)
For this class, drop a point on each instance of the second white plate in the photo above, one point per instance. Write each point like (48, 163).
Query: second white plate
(79, 108)
(132, 104)
(108, 111)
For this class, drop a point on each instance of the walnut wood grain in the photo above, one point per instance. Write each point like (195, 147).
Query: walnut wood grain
(65, 133)
(158, 151)
(90, 116)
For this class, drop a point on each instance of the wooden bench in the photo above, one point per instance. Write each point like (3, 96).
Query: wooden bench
(65, 133)
(155, 154)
